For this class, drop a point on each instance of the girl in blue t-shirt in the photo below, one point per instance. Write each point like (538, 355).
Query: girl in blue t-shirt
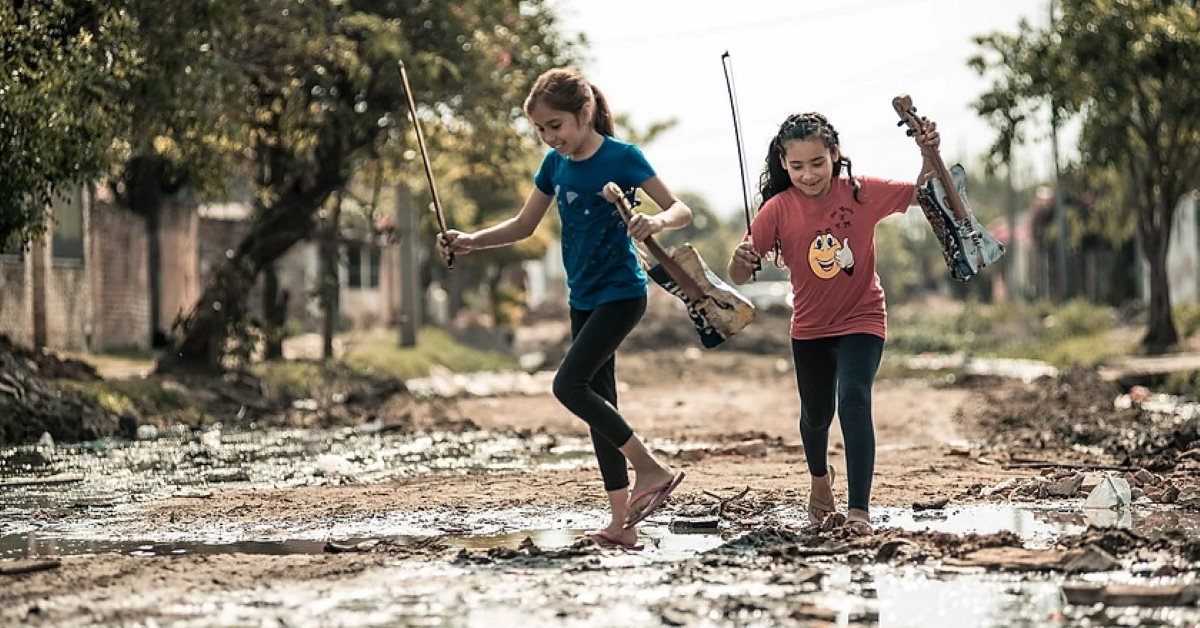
(605, 280)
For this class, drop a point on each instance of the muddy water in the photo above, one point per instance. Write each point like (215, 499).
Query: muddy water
(486, 574)
(702, 585)
(113, 474)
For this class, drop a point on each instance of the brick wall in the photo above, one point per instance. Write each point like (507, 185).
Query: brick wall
(103, 301)
(16, 296)
(68, 305)
(179, 229)
(120, 279)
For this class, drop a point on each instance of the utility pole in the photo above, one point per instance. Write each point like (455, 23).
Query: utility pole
(330, 288)
(1015, 289)
(410, 306)
(1060, 219)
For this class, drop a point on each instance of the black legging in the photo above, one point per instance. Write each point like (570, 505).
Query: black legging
(841, 367)
(586, 382)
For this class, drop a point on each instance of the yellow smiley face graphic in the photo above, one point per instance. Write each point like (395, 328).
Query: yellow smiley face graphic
(822, 253)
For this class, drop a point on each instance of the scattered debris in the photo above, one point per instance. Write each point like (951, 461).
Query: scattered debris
(27, 565)
(937, 503)
(1117, 594)
(342, 548)
(1090, 558)
(686, 525)
(60, 478)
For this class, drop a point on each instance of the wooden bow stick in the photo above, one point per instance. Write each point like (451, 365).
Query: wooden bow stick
(437, 202)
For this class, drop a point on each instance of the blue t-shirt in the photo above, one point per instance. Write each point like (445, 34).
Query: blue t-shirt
(602, 265)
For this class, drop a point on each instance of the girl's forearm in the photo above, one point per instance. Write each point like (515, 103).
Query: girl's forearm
(676, 216)
(500, 234)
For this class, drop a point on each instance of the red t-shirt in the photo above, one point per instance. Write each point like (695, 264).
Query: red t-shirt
(828, 245)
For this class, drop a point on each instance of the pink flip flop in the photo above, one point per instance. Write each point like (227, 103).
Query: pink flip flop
(658, 497)
(608, 540)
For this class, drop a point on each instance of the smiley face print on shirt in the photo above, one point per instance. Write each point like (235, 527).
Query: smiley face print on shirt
(827, 256)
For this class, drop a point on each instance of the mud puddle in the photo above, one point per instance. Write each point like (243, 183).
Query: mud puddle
(1024, 370)
(108, 474)
(756, 583)
(767, 576)
(656, 541)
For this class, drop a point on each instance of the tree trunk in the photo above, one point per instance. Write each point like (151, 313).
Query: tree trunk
(1160, 329)
(222, 303)
(274, 313)
(410, 301)
(145, 181)
(329, 287)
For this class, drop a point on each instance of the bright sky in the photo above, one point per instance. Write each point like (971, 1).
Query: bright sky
(658, 59)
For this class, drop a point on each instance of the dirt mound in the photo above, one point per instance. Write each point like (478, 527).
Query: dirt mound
(47, 364)
(31, 403)
(1076, 410)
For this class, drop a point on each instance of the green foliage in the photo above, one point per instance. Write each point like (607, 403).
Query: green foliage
(1124, 69)
(327, 101)
(55, 126)
(906, 257)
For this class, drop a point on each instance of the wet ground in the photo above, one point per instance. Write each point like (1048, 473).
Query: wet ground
(369, 525)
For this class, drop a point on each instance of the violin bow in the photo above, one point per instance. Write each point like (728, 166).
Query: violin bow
(437, 202)
(727, 66)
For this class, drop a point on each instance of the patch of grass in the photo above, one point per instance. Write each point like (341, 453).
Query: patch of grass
(380, 353)
(118, 363)
(1183, 383)
(132, 354)
(301, 379)
(1088, 351)
(144, 397)
(290, 379)
(1078, 318)
(375, 356)
(1075, 334)
(1187, 319)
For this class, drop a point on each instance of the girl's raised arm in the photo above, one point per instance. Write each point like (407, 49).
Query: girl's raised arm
(511, 230)
(675, 215)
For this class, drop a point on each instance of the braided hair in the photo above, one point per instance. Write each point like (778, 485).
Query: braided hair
(565, 89)
(800, 126)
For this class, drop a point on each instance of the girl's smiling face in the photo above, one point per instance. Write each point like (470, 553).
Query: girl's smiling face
(563, 131)
(809, 164)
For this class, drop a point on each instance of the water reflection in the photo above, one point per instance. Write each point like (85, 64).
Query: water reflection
(658, 541)
(119, 473)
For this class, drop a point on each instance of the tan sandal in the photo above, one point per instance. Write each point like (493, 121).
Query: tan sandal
(818, 510)
(858, 527)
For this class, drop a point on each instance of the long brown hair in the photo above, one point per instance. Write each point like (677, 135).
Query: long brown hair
(565, 89)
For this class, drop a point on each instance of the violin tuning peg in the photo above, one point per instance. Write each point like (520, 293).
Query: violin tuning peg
(908, 132)
(900, 123)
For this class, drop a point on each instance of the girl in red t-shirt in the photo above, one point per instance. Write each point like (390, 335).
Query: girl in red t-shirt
(822, 226)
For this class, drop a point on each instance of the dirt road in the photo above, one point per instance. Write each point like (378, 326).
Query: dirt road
(729, 420)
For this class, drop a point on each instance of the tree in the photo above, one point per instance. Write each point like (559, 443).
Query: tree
(327, 94)
(59, 58)
(181, 111)
(1127, 70)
